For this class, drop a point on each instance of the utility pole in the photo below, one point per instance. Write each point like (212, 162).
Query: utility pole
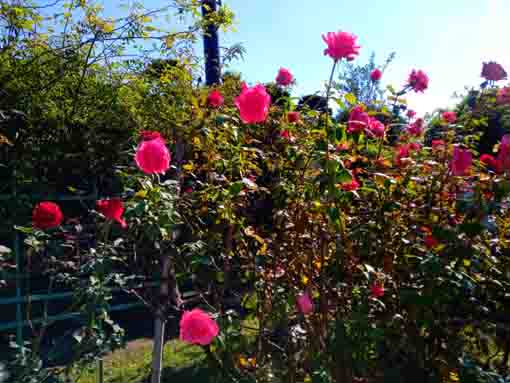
(211, 45)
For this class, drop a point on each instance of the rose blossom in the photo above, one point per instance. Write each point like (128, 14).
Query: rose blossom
(358, 120)
(418, 80)
(197, 327)
(304, 303)
(215, 99)
(47, 215)
(284, 77)
(253, 104)
(461, 161)
(341, 45)
(375, 75)
(152, 155)
(112, 209)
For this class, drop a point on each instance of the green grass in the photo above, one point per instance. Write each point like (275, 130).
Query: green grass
(181, 362)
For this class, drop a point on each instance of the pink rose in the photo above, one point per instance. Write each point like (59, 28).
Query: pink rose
(152, 155)
(504, 153)
(112, 209)
(285, 134)
(358, 120)
(487, 159)
(461, 161)
(293, 117)
(148, 135)
(47, 215)
(350, 186)
(304, 303)
(402, 152)
(431, 242)
(503, 96)
(376, 128)
(411, 114)
(418, 80)
(437, 144)
(253, 104)
(414, 146)
(377, 290)
(197, 327)
(376, 75)
(284, 77)
(449, 117)
(341, 45)
(492, 71)
(416, 128)
(215, 99)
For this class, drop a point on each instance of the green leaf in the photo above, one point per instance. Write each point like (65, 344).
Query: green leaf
(24, 229)
(236, 188)
(250, 301)
(471, 228)
(334, 214)
(343, 176)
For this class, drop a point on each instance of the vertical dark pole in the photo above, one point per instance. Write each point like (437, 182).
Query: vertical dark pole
(211, 46)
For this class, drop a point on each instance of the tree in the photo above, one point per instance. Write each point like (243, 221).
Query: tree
(355, 79)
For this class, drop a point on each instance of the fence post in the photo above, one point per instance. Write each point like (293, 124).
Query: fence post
(100, 371)
(19, 304)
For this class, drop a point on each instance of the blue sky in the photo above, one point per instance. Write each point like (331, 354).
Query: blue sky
(448, 39)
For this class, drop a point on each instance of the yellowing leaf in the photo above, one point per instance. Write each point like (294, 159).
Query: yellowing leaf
(350, 98)
(141, 193)
(107, 27)
(188, 167)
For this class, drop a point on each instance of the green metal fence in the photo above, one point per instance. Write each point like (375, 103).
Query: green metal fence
(20, 278)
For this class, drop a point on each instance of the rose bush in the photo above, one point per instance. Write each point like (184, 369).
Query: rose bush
(302, 248)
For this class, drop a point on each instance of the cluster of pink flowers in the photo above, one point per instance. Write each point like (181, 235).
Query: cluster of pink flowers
(449, 117)
(418, 80)
(492, 71)
(501, 163)
(360, 121)
(461, 162)
(416, 128)
(503, 96)
(376, 128)
(404, 151)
